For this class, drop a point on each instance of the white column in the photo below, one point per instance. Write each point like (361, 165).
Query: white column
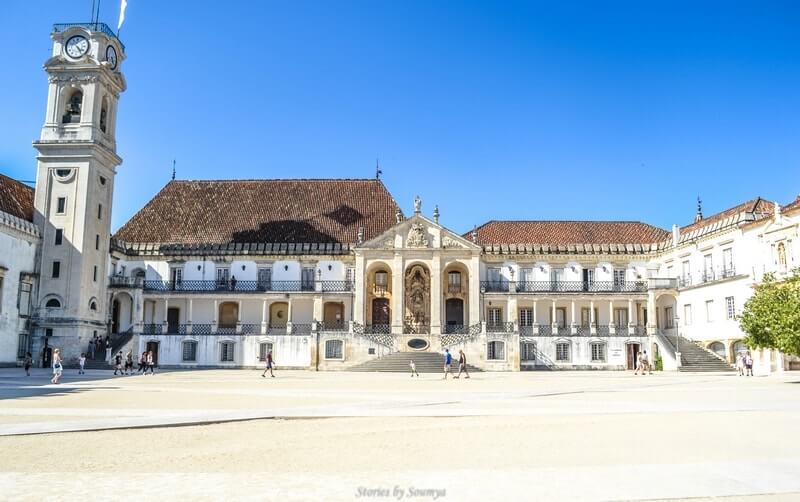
(592, 320)
(191, 312)
(651, 312)
(535, 320)
(611, 325)
(630, 316)
(264, 317)
(574, 326)
(360, 293)
(553, 319)
(214, 316)
(397, 293)
(436, 294)
(475, 290)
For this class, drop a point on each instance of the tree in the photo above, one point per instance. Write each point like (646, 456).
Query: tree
(771, 317)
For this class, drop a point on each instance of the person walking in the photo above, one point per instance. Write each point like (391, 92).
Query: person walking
(108, 350)
(81, 364)
(91, 348)
(28, 363)
(748, 364)
(739, 364)
(462, 364)
(646, 364)
(269, 364)
(143, 363)
(57, 367)
(448, 362)
(118, 364)
(638, 364)
(413, 369)
(129, 363)
(151, 364)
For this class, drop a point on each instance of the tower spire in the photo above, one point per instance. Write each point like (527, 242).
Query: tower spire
(699, 215)
(173, 169)
(378, 171)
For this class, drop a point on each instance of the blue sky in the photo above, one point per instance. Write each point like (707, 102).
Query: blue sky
(492, 110)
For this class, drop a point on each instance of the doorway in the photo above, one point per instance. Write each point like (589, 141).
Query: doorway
(173, 319)
(153, 348)
(115, 317)
(454, 312)
(632, 350)
(380, 311)
(333, 315)
(228, 314)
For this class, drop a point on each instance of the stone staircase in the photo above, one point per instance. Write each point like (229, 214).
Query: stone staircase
(398, 362)
(696, 358)
(118, 342)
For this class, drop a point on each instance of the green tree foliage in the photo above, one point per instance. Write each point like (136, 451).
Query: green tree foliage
(771, 317)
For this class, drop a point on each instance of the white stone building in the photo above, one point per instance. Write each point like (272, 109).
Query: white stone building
(330, 274)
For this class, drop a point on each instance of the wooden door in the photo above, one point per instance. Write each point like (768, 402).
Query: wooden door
(333, 315)
(381, 313)
(454, 312)
(173, 319)
(153, 347)
(632, 353)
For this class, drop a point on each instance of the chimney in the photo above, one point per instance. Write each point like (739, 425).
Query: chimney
(676, 235)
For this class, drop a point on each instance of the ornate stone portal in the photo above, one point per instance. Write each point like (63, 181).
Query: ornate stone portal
(417, 299)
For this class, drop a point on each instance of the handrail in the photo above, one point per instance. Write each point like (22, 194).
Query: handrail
(564, 286)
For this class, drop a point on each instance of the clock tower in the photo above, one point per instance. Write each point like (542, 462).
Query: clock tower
(77, 163)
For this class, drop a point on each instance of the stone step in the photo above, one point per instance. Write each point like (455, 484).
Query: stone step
(398, 362)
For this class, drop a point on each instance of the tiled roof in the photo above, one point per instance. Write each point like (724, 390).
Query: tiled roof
(269, 211)
(795, 204)
(16, 198)
(568, 232)
(752, 210)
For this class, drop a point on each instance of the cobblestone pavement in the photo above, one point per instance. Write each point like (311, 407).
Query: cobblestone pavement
(356, 436)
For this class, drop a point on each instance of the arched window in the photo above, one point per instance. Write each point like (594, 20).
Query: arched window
(189, 351)
(496, 351)
(53, 303)
(333, 349)
(72, 112)
(93, 305)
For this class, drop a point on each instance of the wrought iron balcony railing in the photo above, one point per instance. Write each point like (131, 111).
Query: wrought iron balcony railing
(454, 289)
(603, 330)
(332, 326)
(101, 27)
(416, 329)
(383, 329)
(301, 328)
(564, 286)
(499, 327)
(152, 329)
(455, 329)
(201, 329)
(120, 281)
(250, 329)
(235, 286)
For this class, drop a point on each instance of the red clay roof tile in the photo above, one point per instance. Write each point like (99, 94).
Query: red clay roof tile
(16, 198)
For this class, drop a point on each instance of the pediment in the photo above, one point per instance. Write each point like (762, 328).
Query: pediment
(418, 232)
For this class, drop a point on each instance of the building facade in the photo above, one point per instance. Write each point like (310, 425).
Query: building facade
(330, 274)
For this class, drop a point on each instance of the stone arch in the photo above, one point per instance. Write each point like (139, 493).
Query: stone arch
(73, 106)
(717, 347)
(228, 315)
(455, 291)
(378, 283)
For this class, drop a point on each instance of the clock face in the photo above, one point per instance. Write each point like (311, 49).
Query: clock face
(77, 46)
(111, 56)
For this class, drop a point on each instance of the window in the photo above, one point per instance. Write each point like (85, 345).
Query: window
(710, 311)
(382, 279)
(223, 274)
(264, 278)
(454, 282)
(104, 115)
(495, 316)
(598, 352)
(526, 317)
(59, 237)
(61, 205)
(350, 276)
(562, 352)
(226, 352)
(102, 180)
(48, 332)
(63, 173)
(99, 211)
(23, 299)
(97, 242)
(176, 276)
(307, 279)
(189, 352)
(527, 351)
(708, 267)
(93, 306)
(56, 269)
(686, 273)
(496, 351)
(94, 273)
(264, 348)
(730, 308)
(557, 274)
(687, 314)
(670, 271)
(727, 262)
(333, 349)
(619, 278)
(53, 303)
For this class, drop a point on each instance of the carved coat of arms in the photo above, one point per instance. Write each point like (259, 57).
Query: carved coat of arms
(417, 237)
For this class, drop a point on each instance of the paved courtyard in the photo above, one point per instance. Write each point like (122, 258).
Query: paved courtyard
(221, 434)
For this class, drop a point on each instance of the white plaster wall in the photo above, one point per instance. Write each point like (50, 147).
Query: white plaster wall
(17, 254)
